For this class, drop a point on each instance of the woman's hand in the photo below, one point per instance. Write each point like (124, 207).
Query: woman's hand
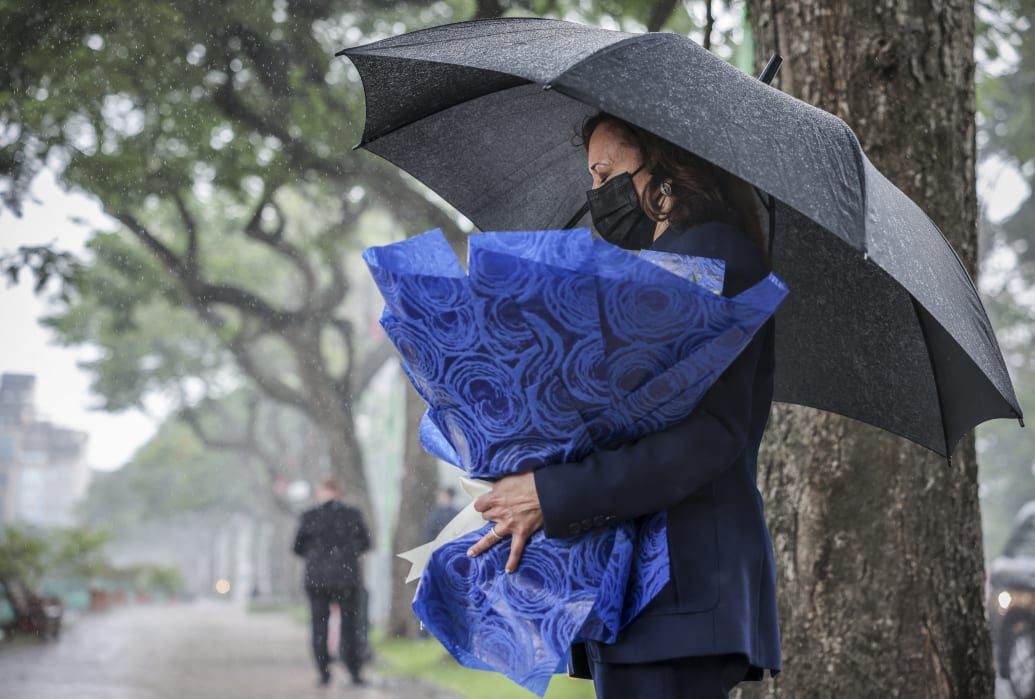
(513, 504)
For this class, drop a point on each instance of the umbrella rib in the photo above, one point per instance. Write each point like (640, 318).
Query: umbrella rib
(409, 44)
(364, 143)
(860, 167)
(549, 84)
(365, 49)
(934, 375)
(915, 439)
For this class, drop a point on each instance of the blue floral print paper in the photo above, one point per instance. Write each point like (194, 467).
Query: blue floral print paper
(551, 345)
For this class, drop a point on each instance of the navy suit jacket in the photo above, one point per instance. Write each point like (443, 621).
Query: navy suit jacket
(721, 596)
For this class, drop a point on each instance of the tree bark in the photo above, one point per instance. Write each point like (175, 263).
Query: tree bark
(419, 485)
(878, 541)
(332, 412)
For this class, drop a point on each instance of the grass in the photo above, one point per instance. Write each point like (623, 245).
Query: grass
(427, 660)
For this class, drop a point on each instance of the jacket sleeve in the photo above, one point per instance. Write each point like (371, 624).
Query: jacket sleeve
(659, 470)
(302, 537)
(663, 468)
(362, 534)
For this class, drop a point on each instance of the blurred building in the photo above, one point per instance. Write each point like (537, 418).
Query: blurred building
(43, 470)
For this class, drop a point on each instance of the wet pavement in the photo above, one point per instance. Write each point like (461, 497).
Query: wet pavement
(203, 650)
(197, 650)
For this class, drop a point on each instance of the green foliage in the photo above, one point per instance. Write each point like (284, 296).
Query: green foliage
(152, 578)
(216, 134)
(1006, 130)
(76, 552)
(22, 555)
(1005, 97)
(1006, 106)
(44, 263)
(146, 98)
(428, 661)
(137, 93)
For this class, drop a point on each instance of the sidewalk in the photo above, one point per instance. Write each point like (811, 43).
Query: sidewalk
(199, 651)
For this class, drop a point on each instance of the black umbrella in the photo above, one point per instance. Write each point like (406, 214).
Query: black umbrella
(883, 323)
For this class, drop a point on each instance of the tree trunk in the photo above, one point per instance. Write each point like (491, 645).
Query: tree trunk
(878, 541)
(346, 458)
(332, 412)
(419, 485)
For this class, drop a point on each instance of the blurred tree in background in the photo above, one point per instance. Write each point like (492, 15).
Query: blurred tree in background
(217, 136)
(1006, 144)
(22, 555)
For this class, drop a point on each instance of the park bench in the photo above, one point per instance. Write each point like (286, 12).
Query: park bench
(23, 611)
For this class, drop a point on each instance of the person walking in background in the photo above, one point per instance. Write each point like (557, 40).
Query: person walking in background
(331, 537)
(443, 512)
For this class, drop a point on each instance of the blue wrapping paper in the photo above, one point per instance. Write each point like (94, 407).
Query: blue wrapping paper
(553, 344)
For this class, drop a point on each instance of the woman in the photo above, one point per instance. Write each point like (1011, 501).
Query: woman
(714, 624)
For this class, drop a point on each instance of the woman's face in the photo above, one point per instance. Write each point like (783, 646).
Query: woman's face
(610, 154)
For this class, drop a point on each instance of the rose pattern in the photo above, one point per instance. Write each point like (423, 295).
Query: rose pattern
(553, 344)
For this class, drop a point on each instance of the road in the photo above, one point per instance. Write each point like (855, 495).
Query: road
(198, 650)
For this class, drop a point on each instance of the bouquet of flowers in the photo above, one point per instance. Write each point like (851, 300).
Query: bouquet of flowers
(551, 345)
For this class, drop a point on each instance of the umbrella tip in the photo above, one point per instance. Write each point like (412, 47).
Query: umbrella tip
(771, 69)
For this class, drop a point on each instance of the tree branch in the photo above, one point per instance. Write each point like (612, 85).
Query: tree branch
(189, 416)
(343, 383)
(248, 446)
(200, 293)
(275, 239)
(370, 364)
(170, 260)
(190, 257)
(275, 433)
(709, 24)
(202, 296)
(239, 346)
(332, 296)
(386, 183)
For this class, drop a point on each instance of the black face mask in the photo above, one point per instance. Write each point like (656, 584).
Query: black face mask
(617, 215)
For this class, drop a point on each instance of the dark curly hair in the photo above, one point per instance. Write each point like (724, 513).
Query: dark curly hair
(701, 191)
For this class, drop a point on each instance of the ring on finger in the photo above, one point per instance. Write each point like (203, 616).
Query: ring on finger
(493, 532)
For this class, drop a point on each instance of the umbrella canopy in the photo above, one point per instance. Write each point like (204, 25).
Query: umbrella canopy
(884, 324)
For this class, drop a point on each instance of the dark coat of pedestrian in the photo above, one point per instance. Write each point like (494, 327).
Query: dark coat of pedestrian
(331, 537)
(441, 515)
